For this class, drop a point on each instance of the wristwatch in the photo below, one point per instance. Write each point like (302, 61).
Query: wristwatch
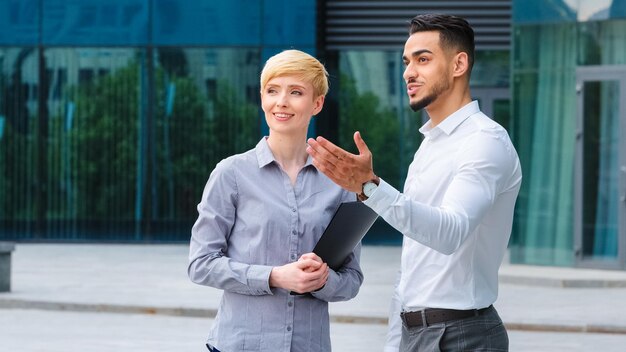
(368, 188)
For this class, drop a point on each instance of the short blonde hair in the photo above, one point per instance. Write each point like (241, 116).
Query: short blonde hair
(296, 63)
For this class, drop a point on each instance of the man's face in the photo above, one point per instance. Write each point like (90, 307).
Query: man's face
(427, 73)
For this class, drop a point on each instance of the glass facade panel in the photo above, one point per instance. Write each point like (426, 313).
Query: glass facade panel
(207, 22)
(600, 186)
(85, 145)
(544, 129)
(95, 22)
(602, 43)
(111, 131)
(544, 136)
(19, 22)
(19, 146)
(207, 110)
(529, 40)
(105, 163)
(561, 11)
(502, 113)
(541, 11)
(284, 20)
(491, 69)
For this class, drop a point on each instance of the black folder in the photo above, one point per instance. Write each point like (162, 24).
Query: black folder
(346, 229)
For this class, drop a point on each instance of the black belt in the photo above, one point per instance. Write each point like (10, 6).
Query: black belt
(431, 316)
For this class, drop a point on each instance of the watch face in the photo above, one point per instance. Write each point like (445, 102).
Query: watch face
(369, 188)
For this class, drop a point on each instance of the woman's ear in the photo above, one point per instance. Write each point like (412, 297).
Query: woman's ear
(461, 64)
(318, 104)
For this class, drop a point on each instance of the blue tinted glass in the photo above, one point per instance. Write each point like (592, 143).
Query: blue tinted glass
(19, 22)
(540, 11)
(95, 22)
(290, 22)
(207, 22)
(618, 9)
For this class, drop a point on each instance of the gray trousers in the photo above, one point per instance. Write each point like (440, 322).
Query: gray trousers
(481, 333)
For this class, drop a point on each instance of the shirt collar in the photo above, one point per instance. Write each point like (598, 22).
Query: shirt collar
(265, 156)
(450, 123)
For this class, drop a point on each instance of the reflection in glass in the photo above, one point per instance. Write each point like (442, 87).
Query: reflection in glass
(373, 101)
(491, 69)
(18, 145)
(502, 113)
(125, 139)
(207, 111)
(602, 43)
(600, 169)
(543, 130)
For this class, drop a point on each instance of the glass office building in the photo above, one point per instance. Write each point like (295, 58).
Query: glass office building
(113, 113)
(569, 127)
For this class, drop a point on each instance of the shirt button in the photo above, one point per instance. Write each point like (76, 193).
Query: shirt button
(289, 328)
(294, 232)
(290, 304)
(293, 209)
(293, 256)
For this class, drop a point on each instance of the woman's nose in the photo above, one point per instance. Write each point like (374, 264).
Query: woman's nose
(281, 100)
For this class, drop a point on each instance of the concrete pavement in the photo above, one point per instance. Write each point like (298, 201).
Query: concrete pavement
(83, 285)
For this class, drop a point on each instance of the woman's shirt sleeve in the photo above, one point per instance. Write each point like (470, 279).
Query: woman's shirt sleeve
(208, 263)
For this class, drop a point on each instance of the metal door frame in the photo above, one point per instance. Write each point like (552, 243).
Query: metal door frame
(595, 74)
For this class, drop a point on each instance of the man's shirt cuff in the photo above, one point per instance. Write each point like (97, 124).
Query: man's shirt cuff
(382, 198)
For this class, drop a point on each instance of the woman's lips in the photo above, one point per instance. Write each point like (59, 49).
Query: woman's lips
(281, 116)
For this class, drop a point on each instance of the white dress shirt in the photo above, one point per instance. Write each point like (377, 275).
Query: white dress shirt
(456, 214)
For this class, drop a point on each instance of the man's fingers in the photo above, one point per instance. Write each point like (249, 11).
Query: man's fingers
(339, 178)
(319, 153)
(329, 170)
(328, 145)
(334, 150)
(343, 168)
(360, 143)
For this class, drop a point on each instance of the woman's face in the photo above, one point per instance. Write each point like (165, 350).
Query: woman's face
(289, 103)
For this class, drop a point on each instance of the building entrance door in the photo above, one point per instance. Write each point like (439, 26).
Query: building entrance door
(600, 173)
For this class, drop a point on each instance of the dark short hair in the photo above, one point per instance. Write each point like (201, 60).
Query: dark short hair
(454, 32)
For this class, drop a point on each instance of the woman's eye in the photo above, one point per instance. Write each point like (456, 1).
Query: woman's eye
(296, 92)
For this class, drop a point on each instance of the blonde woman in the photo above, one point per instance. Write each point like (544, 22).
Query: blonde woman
(260, 216)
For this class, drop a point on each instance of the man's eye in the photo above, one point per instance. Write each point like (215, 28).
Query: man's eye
(296, 92)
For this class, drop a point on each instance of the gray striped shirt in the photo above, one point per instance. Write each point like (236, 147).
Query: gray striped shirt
(251, 219)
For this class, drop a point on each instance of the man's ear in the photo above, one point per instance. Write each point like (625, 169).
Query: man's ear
(461, 64)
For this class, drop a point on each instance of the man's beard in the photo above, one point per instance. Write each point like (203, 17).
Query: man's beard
(420, 104)
(439, 88)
